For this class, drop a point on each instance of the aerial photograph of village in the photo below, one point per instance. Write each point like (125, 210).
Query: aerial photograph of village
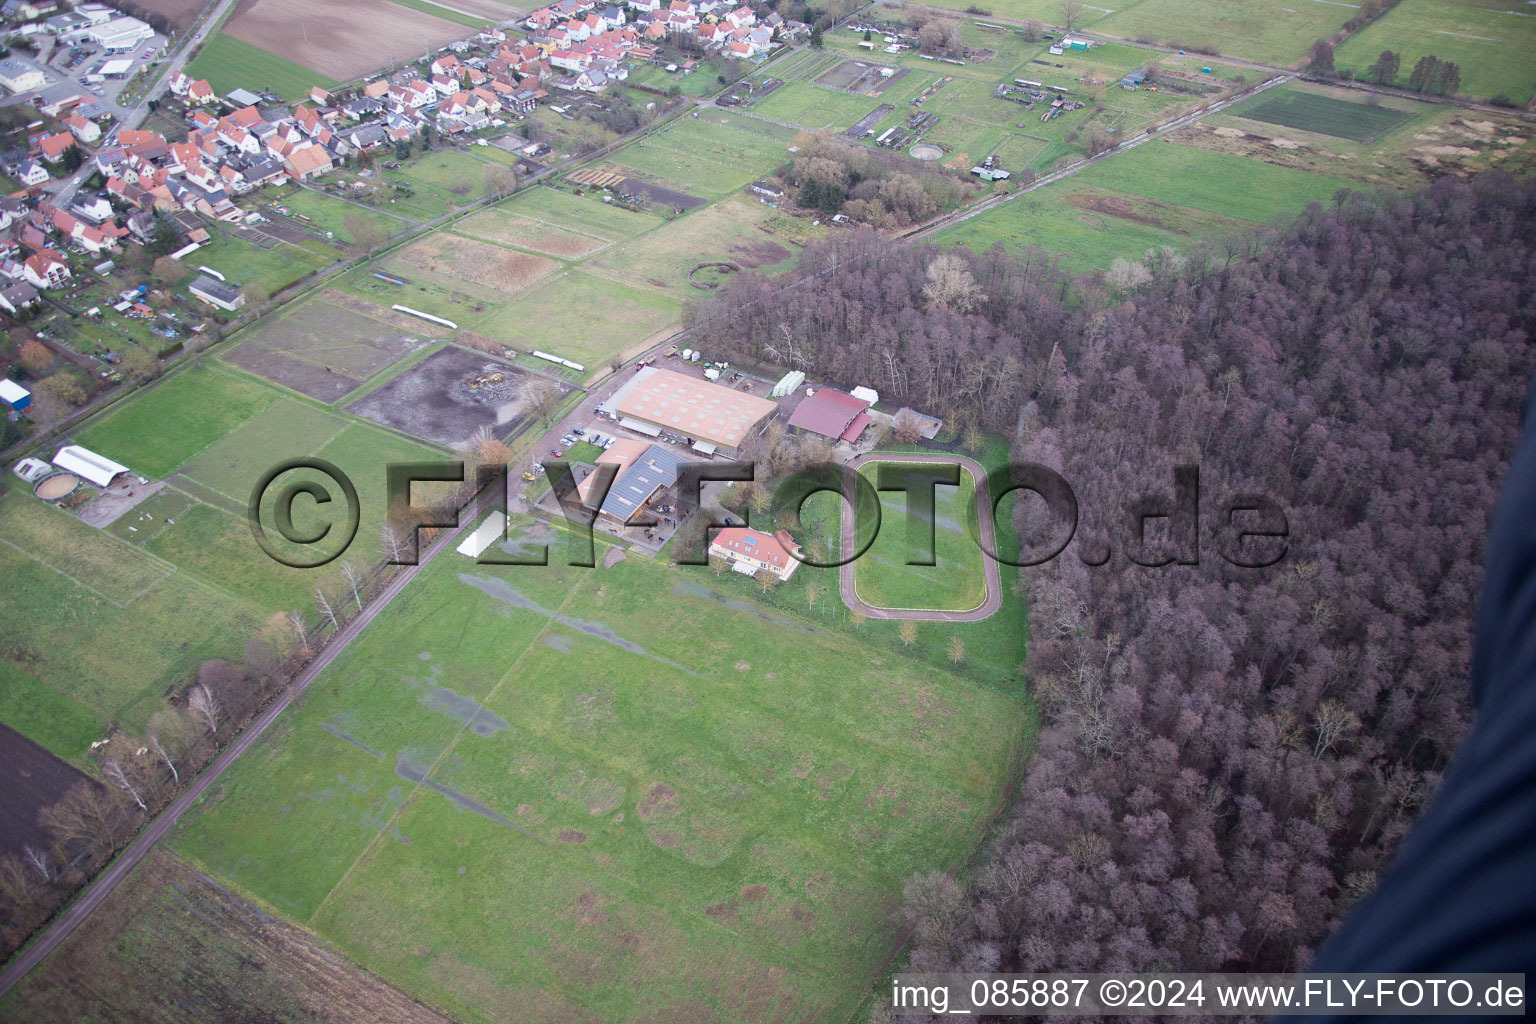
(691, 510)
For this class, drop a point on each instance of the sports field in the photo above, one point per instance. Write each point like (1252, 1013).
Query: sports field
(1491, 42)
(211, 432)
(1272, 31)
(229, 63)
(1325, 115)
(624, 771)
(955, 582)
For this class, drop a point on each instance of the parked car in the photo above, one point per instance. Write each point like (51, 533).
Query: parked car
(529, 477)
(555, 453)
(578, 431)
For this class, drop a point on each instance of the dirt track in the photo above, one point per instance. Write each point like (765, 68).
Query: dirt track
(984, 523)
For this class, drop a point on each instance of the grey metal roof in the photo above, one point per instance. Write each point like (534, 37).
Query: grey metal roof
(655, 468)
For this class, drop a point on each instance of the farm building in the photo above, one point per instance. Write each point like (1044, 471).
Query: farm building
(217, 293)
(713, 417)
(1134, 79)
(750, 551)
(832, 414)
(645, 475)
(15, 397)
(87, 465)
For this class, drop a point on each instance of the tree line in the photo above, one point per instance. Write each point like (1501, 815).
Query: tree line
(1228, 756)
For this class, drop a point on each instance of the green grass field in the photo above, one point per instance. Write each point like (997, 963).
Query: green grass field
(229, 63)
(1491, 44)
(330, 214)
(714, 824)
(583, 318)
(735, 229)
(446, 13)
(1325, 115)
(1160, 193)
(710, 157)
(247, 263)
(956, 582)
(96, 630)
(154, 433)
(589, 216)
(1273, 31)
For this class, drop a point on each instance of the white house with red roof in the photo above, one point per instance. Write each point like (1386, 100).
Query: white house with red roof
(750, 551)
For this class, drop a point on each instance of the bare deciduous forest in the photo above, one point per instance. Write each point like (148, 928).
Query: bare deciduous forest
(1229, 755)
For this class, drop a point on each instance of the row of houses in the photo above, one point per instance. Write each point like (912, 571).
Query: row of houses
(575, 27)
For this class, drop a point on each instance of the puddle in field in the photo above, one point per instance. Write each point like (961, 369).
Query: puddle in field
(558, 642)
(466, 710)
(359, 744)
(503, 591)
(411, 772)
(686, 589)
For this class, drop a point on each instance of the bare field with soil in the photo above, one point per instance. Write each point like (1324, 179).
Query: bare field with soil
(481, 264)
(324, 34)
(507, 228)
(181, 13)
(34, 779)
(433, 400)
(321, 350)
(175, 947)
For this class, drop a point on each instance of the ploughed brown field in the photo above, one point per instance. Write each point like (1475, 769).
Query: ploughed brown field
(343, 39)
(173, 946)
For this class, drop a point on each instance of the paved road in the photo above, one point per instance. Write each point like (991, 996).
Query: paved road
(994, 581)
(132, 117)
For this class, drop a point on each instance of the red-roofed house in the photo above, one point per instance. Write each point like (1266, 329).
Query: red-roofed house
(751, 551)
(46, 269)
(307, 162)
(53, 146)
(200, 92)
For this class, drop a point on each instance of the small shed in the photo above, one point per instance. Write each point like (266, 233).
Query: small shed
(15, 397)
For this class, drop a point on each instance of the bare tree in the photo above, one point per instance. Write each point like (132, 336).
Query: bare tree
(87, 813)
(354, 581)
(765, 580)
(204, 706)
(39, 860)
(164, 756)
(16, 888)
(500, 182)
(908, 632)
(1071, 13)
(324, 607)
(300, 630)
(393, 540)
(118, 776)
